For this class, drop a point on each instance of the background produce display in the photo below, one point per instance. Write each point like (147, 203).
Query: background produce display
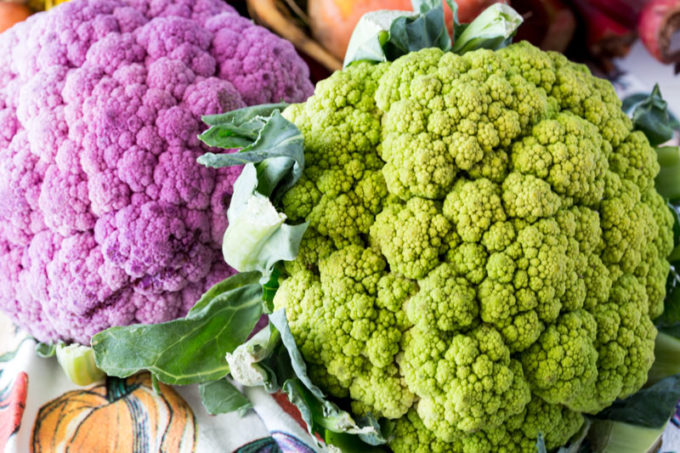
(607, 28)
(461, 245)
(11, 13)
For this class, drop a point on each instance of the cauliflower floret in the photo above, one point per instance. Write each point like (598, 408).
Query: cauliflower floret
(100, 107)
(347, 302)
(486, 248)
(625, 345)
(465, 382)
(412, 236)
(562, 363)
(473, 206)
(556, 423)
(445, 301)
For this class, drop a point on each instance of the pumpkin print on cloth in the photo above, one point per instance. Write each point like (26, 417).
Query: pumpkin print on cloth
(12, 404)
(120, 415)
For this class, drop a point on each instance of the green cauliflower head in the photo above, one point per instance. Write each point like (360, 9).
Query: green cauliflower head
(485, 250)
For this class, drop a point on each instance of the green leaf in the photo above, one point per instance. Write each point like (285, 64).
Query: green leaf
(78, 363)
(667, 182)
(371, 35)
(651, 407)
(269, 289)
(651, 116)
(413, 33)
(387, 35)
(155, 385)
(221, 397)
(278, 148)
(676, 225)
(188, 350)
(631, 101)
(575, 444)
(219, 289)
(45, 350)
(257, 236)
(492, 29)
(348, 443)
(669, 321)
(607, 436)
(306, 403)
(238, 128)
(666, 357)
(243, 116)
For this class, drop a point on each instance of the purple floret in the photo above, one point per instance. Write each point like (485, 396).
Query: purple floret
(105, 216)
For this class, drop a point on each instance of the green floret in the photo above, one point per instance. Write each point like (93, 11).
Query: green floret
(597, 279)
(663, 240)
(469, 260)
(628, 225)
(565, 151)
(542, 265)
(381, 391)
(417, 165)
(625, 344)
(411, 436)
(635, 161)
(530, 198)
(535, 65)
(412, 236)
(562, 364)
(299, 201)
(343, 218)
(469, 383)
(445, 301)
(498, 236)
(594, 99)
(345, 303)
(486, 248)
(556, 423)
(472, 206)
(393, 293)
(302, 298)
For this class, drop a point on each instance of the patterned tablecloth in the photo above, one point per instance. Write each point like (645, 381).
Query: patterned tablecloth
(41, 410)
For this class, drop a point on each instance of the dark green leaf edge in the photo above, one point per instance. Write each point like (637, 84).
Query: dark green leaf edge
(650, 115)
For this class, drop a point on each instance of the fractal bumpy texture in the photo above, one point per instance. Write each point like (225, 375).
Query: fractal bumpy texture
(486, 249)
(105, 217)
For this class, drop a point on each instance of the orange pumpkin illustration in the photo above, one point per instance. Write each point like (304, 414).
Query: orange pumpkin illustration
(120, 415)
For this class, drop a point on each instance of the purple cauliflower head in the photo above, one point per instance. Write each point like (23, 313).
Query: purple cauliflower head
(105, 216)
